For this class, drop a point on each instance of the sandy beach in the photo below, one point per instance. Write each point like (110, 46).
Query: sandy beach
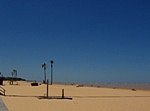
(24, 97)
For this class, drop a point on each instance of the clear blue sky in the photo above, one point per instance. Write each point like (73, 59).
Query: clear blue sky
(89, 40)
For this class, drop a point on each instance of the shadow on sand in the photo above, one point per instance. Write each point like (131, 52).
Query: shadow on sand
(19, 96)
(40, 97)
(70, 98)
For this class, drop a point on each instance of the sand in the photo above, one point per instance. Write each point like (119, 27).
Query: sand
(24, 97)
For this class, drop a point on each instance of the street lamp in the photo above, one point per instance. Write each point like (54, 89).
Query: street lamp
(44, 67)
(51, 62)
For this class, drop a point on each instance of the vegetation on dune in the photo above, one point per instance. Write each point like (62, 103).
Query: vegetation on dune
(13, 78)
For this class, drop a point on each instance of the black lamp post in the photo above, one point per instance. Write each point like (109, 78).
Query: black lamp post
(44, 67)
(51, 62)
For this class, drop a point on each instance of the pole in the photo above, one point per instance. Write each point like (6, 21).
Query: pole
(12, 78)
(44, 67)
(45, 74)
(63, 94)
(51, 62)
(51, 74)
(47, 89)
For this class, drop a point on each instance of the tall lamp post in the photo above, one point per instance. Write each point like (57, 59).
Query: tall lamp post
(51, 63)
(44, 67)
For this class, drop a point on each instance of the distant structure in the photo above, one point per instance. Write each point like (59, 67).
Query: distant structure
(44, 68)
(14, 76)
(14, 72)
(1, 75)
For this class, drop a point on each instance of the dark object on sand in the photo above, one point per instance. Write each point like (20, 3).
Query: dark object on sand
(80, 85)
(34, 84)
(133, 89)
(1, 80)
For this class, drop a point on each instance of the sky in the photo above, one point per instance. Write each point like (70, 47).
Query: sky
(89, 40)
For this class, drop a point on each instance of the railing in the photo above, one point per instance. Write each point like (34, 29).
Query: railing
(2, 91)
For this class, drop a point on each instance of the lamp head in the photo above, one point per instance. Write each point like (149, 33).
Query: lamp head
(52, 62)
